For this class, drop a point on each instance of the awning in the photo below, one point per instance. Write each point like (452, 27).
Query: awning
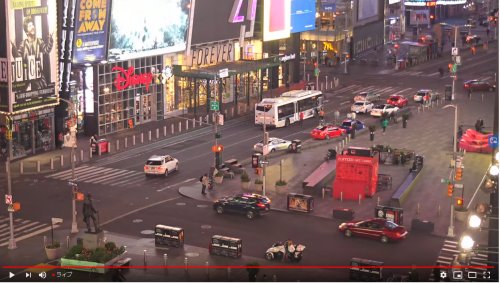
(236, 67)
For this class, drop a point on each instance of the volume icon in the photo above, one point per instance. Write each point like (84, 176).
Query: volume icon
(42, 275)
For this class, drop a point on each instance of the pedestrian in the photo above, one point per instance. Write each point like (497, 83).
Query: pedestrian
(441, 72)
(385, 122)
(488, 33)
(60, 139)
(469, 93)
(321, 115)
(460, 132)
(204, 184)
(301, 118)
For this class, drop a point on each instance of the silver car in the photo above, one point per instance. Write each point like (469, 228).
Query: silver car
(274, 144)
(378, 110)
(362, 106)
(366, 96)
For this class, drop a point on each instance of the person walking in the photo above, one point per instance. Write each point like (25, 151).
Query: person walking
(469, 93)
(301, 118)
(321, 116)
(204, 184)
(385, 122)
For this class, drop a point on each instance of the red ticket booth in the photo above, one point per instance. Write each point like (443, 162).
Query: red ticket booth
(101, 145)
(356, 177)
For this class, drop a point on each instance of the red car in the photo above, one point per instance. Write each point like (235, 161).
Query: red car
(479, 85)
(322, 132)
(397, 100)
(375, 228)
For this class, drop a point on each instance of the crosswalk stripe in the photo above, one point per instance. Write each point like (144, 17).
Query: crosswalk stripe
(18, 228)
(66, 174)
(98, 171)
(127, 178)
(77, 169)
(432, 74)
(129, 182)
(445, 257)
(403, 90)
(110, 176)
(450, 250)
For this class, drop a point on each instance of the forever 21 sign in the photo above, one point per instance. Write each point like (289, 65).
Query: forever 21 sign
(212, 54)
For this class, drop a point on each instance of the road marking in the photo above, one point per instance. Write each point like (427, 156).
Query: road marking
(170, 186)
(138, 209)
(433, 74)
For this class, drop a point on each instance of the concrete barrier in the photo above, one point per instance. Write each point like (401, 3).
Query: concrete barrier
(52, 163)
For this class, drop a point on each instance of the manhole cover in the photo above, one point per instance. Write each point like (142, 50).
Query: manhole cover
(180, 203)
(147, 232)
(137, 221)
(206, 226)
(192, 254)
(202, 205)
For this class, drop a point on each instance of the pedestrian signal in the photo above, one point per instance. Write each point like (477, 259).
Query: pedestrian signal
(458, 173)
(255, 160)
(450, 189)
(460, 202)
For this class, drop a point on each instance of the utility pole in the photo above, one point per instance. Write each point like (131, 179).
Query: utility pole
(346, 30)
(265, 142)
(12, 240)
(455, 76)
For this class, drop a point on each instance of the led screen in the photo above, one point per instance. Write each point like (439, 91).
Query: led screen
(303, 15)
(276, 19)
(327, 5)
(367, 9)
(91, 31)
(32, 35)
(147, 27)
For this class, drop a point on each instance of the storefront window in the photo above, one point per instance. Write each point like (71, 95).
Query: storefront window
(43, 134)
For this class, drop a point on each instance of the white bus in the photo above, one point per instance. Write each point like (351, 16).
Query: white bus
(285, 110)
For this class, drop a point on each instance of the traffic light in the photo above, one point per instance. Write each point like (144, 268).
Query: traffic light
(217, 148)
(460, 202)
(458, 173)
(450, 65)
(255, 160)
(450, 189)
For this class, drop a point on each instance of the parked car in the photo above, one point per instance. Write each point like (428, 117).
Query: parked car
(375, 228)
(362, 106)
(161, 165)
(348, 124)
(247, 204)
(378, 110)
(397, 100)
(328, 131)
(366, 96)
(274, 144)
(419, 96)
(479, 85)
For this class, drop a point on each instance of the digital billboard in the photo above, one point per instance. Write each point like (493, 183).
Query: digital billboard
(32, 36)
(4, 87)
(276, 19)
(91, 31)
(327, 5)
(367, 9)
(303, 15)
(147, 27)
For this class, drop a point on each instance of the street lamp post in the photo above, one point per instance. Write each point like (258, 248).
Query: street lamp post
(454, 79)
(451, 228)
(12, 240)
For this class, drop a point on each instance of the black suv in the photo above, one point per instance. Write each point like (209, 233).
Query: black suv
(249, 204)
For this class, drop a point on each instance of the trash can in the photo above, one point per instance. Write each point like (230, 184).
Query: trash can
(103, 145)
(401, 64)
(394, 214)
(225, 246)
(166, 236)
(296, 146)
(299, 202)
(365, 270)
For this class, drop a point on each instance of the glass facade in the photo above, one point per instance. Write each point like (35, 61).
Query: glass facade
(32, 133)
(123, 104)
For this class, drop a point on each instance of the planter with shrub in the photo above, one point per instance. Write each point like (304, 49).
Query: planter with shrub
(79, 257)
(54, 250)
(280, 184)
(245, 180)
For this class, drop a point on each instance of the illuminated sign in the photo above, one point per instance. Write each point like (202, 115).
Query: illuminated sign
(303, 15)
(277, 23)
(287, 57)
(438, 2)
(213, 54)
(128, 78)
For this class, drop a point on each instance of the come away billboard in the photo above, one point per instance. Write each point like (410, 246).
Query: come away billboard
(33, 57)
(91, 31)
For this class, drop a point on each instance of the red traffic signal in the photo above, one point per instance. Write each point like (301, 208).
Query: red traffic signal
(217, 148)
(458, 174)
(460, 201)
(450, 189)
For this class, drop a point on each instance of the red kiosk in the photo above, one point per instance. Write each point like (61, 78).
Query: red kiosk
(356, 174)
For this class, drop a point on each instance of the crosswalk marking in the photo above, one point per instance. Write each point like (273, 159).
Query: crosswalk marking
(450, 251)
(23, 229)
(101, 175)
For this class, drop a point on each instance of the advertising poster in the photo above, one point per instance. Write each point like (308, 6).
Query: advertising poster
(277, 19)
(91, 30)
(303, 15)
(327, 5)
(4, 88)
(32, 32)
(419, 17)
(147, 28)
(367, 9)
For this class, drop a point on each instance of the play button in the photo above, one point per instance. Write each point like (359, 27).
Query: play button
(11, 275)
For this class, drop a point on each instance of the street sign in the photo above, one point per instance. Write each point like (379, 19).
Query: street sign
(214, 105)
(220, 119)
(454, 51)
(458, 186)
(316, 72)
(8, 199)
(9, 135)
(224, 73)
(457, 60)
(454, 68)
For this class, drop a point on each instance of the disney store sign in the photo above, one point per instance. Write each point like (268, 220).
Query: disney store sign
(128, 78)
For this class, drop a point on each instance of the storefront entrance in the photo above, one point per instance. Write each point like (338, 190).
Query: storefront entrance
(144, 105)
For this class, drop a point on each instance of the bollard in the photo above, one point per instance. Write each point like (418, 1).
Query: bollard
(117, 145)
(38, 166)
(74, 158)
(439, 210)
(418, 208)
(359, 198)
(341, 196)
(21, 167)
(109, 147)
(331, 84)
(90, 153)
(164, 131)
(187, 125)
(180, 126)
(186, 264)
(67, 242)
(225, 113)
(244, 108)
(81, 155)
(378, 200)
(149, 135)
(208, 270)
(326, 82)
(308, 77)
(145, 260)
(200, 121)
(61, 158)
(321, 86)
(157, 133)
(172, 128)
(133, 140)
(194, 123)
(229, 274)
(126, 142)
(51, 163)
(232, 112)
(482, 96)
(323, 193)
(142, 137)
(44, 241)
